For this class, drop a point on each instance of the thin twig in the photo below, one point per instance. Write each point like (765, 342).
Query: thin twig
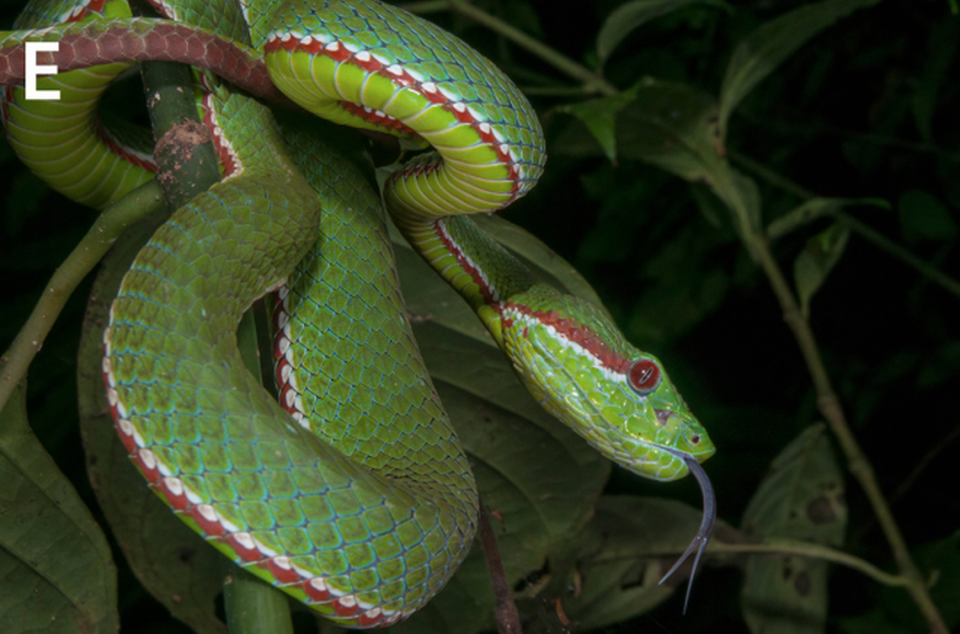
(832, 411)
(89, 251)
(591, 80)
(814, 551)
(925, 269)
(507, 617)
(777, 546)
(866, 232)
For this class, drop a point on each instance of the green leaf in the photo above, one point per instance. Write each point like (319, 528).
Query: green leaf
(817, 259)
(673, 127)
(768, 46)
(631, 15)
(56, 571)
(800, 498)
(816, 208)
(924, 217)
(599, 115)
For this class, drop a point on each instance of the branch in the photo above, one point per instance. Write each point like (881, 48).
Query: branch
(112, 222)
(832, 411)
(592, 81)
(866, 232)
(506, 615)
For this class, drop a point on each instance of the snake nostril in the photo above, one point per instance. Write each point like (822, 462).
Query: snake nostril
(663, 415)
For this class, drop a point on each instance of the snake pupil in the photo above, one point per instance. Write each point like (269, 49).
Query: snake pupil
(644, 376)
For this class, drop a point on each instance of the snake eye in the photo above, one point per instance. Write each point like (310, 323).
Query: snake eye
(644, 376)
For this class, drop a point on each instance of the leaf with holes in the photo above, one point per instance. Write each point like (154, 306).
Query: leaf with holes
(800, 498)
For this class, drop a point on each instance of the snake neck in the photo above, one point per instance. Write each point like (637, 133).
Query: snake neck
(485, 274)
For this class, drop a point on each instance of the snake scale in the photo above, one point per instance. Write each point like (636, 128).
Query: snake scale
(350, 491)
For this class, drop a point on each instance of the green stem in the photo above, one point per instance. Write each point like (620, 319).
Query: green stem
(186, 156)
(869, 234)
(832, 411)
(758, 246)
(794, 547)
(816, 551)
(925, 269)
(592, 81)
(89, 251)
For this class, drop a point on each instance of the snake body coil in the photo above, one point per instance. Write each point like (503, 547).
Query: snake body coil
(352, 493)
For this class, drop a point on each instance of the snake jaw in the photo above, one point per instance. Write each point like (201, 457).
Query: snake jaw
(707, 524)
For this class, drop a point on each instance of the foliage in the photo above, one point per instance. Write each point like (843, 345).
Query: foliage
(688, 141)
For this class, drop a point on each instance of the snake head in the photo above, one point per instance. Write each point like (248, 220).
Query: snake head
(580, 367)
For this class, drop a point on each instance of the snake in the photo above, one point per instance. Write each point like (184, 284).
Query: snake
(349, 491)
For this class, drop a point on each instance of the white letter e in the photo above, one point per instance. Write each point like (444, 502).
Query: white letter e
(32, 70)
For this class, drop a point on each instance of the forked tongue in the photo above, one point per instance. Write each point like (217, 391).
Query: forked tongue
(702, 537)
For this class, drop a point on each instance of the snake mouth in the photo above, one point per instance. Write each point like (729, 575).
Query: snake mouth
(700, 540)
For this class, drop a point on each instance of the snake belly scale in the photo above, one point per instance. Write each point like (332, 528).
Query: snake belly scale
(352, 493)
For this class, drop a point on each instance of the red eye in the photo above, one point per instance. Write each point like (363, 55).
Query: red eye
(644, 376)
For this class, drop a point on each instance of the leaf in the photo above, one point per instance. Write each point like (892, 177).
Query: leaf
(817, 259)
(673, 127)
(56, 571)
(631, 15)
(599, 115)
(627, 548)
(172, 562)
(816, 208)
(924, 217)
(800, 498)
(767, 47)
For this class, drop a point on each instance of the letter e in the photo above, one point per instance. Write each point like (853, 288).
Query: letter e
(32, 70)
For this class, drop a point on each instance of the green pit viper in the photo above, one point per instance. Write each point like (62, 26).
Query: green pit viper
(350, 491)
